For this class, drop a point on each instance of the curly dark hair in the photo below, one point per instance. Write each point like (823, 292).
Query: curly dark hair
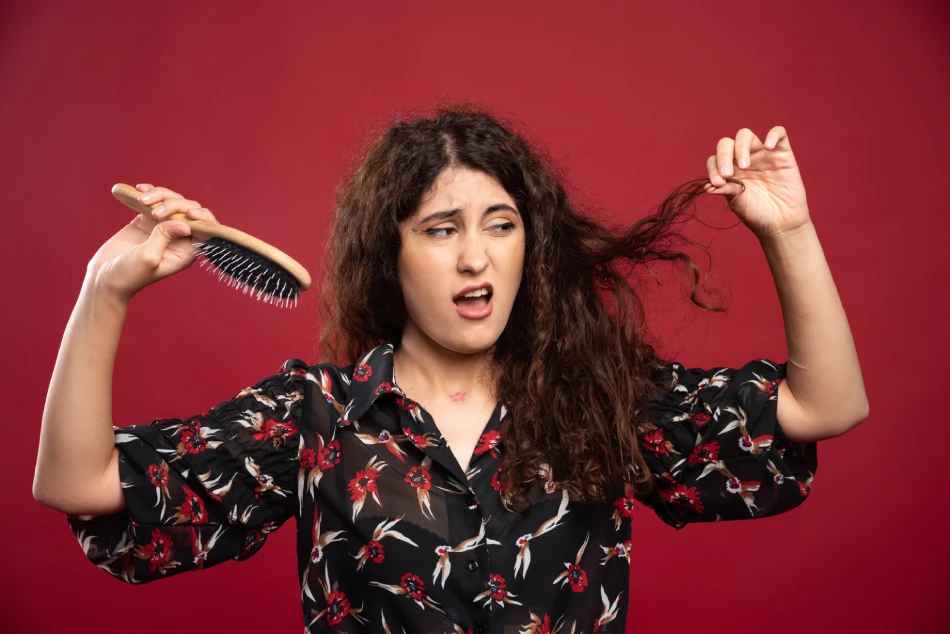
(576, 370)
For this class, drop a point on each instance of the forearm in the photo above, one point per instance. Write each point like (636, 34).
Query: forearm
(823, 371)
(76, 437)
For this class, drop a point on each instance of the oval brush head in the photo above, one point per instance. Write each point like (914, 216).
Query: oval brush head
(250, 264)
(249, 270)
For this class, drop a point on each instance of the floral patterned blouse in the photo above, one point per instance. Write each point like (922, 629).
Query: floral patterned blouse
(393, 536)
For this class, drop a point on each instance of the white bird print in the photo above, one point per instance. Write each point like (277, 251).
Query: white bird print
(746, 443)
(609, 613)
(264, 481)
(199, 550)
(524, 542)
(444, 565)
(374, 549)
(320, 541)
(733, 484)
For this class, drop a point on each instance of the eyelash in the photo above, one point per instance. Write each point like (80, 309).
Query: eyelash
(431, 232)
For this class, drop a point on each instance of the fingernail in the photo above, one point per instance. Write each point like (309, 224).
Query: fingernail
(743, 162)
(158, 210)
(145, 197)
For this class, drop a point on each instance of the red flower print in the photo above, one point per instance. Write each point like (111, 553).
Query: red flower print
(545, 627)
(158, 551)
(192, 441)
(308, 458)
(419, 440)
(330, 454)
(772, 388)
(338, 606)
(276, 430)
(414, 586)
(803, 489)
(654, 442)
(701, 419)
(705, 453)
(419, 478)
(625, 504)
(374, 550)
(497, 587)
(254, 537)
(577, 578)
(383, 388)
(487, 442)
(158, 474)
(496, 482)
(364, 481)
(684, 496)
(193, 508)
(362, 373)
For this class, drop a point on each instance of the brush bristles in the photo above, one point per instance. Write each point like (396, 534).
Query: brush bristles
(249, 271)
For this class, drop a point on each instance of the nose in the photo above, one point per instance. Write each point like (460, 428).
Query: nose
(472, 254)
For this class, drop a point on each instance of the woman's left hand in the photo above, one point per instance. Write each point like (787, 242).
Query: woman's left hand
(773, 202)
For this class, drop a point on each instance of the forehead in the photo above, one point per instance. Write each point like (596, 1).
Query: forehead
(461, 186)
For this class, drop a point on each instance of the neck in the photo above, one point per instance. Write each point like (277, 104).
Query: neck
(435, 373)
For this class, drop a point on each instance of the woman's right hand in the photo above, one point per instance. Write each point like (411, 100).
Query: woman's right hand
(147, 250)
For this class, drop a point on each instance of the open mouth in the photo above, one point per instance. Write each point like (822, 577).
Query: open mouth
(473, 302)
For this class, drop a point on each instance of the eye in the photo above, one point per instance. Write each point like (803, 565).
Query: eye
(499, 229)
(504, 228)
(432, 232)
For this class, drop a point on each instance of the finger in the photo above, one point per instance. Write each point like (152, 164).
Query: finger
(162, 235)
(174, 205)
(714, 177)
(775, 136)
(144, 187)
(744, 141)
(157, 194)
(724, 153)
(201, 213)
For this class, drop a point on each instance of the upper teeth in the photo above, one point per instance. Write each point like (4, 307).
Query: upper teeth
(477, 293)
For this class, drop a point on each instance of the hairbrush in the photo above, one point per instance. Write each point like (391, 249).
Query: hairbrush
(249, 263)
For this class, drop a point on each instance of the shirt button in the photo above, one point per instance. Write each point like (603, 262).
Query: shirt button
(470, 500)
(473, 566)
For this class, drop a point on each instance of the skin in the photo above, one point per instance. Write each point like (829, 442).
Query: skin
(444, 357)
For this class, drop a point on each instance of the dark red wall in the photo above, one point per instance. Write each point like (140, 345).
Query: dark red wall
(253, 110)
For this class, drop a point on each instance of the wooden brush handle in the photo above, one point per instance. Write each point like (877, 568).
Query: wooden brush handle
(203, 230)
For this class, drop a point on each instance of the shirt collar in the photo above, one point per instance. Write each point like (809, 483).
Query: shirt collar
(373, 375)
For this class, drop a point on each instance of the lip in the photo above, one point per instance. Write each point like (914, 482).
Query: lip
(474, 287)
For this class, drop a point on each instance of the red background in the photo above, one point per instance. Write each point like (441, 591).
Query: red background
(254, 112)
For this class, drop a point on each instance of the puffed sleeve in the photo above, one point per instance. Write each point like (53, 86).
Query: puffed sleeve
(717, 450)
(205, 489)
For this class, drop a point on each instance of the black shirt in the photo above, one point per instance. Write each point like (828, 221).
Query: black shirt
(393, 536)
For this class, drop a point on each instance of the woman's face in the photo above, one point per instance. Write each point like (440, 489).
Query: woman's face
(466, 231)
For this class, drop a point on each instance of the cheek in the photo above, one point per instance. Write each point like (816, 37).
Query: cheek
(422, 275)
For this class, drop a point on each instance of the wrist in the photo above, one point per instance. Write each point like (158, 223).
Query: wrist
(101, 295)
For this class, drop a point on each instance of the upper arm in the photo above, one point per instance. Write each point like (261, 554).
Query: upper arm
(718, 450)
(109, 497)
(199, 490)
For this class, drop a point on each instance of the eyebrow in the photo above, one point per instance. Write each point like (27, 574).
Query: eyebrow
(451, 213)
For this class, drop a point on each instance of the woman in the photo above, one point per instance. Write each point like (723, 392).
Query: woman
(458, 263)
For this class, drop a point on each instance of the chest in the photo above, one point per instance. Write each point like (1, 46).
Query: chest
(461, 425)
